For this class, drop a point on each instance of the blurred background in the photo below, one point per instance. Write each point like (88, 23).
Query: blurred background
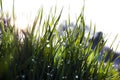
(105, 14)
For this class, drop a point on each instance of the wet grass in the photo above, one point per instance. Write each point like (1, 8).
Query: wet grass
(41, 54)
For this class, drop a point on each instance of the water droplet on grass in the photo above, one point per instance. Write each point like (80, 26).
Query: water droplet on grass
(48, 66)
(51, 75)
(64, 77)
(62, 60)
(76, 76)
(48, 74)
(23, 76)
(48, 45)
(33, 60)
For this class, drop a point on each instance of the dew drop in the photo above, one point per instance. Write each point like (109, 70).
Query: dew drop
(23, 76)
(48, 45)
(48, 66)
(80, 44)
(76, 76)
(51, 75)
(48, 74)
(64, 77)
(33, 60)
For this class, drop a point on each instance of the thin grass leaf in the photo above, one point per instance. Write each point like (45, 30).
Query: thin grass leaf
(1, 6)
(41, 16)
(88, 36)
(69, 17)
(81, 14)
(13, 13)
(113, 41)
(56, 22)
(35, 23)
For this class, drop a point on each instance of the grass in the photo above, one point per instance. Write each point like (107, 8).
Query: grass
(41, 54)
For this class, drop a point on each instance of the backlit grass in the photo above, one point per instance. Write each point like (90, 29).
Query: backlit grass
(41, 54)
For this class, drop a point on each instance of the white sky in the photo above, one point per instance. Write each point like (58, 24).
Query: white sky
(104, 13)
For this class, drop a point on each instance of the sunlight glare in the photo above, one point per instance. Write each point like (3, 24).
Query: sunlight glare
(105, 14)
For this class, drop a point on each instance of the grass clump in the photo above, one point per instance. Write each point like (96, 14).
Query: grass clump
(41, 54)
